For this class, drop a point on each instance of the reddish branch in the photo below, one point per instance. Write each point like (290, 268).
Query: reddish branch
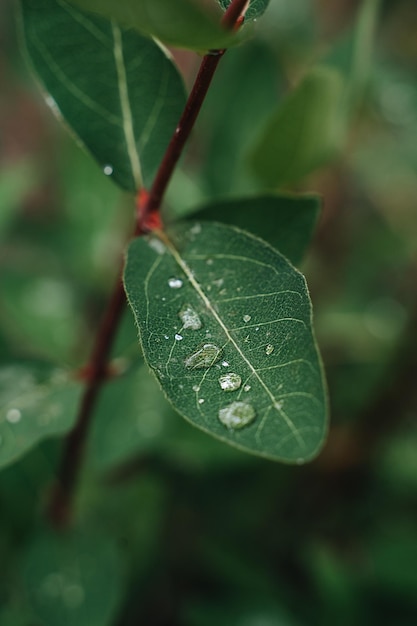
(148, 218)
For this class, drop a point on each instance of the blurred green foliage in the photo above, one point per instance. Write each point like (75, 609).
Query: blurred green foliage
(173, 527)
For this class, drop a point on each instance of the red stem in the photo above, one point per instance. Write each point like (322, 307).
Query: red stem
(60, 504)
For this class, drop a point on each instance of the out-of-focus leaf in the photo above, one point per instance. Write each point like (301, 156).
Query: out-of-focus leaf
(248, 80)
(15, 183)
(74, 579)
(255, 8)
(392, 561)
(39, 312)
(34, 404)
(352, 56)
(303, 133)
(118, 91)
(225, 323)
(286, 222)
(183, 23)
(132, 415)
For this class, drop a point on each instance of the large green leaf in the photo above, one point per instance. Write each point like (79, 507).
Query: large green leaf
(35, 403)
(118, 91)
(225, 323)
(73, 579)
(183, 23)
(286, 221)
(303, 133)
(255, 8)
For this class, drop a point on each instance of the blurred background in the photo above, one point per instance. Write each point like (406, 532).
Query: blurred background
(173, 527)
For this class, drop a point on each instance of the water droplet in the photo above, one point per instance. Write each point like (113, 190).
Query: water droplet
(247, 318)
(269, 349)
(209, 261)
(230, 382)
(157, 245)
(166, 336)
(257, 328)
(13, 416)
(237, 415)
(246, 388)
(205, 356)
(190, 318)
(196, 229)
(175, 283)
(178, 337)
(196, 388)
(225, 364)
(108, 170)
(278, 405)
(201, 401)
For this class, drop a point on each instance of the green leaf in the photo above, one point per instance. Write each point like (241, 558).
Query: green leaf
(247, 74)
(16, 182)
(303, 133)
(183, 23)
(118, 91)
(74, 579)
(255, 8)
(131, 417)
(219, 309)
(287, 222)
(34, 404)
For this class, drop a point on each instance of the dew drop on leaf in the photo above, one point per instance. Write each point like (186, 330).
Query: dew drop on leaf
(178, 337)
(201, 401)
(190, 318)
(205, 356)
(269, 349)
(175, 283)
(246, 388)
(247, 318)
(13, 416)
(108, 170)
(230, 382)
(237, 415)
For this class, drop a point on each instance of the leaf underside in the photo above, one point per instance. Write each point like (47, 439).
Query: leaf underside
(253, 306)
(117, 91)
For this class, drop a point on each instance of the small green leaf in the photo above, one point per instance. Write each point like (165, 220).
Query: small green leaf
(287, 222)
(118, 91)
(73, 579)
(34, 404)
(303, 133)
(183, 23)
(255, 317)
(254, 10)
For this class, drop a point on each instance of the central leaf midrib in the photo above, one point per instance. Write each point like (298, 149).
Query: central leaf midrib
(187, 271)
